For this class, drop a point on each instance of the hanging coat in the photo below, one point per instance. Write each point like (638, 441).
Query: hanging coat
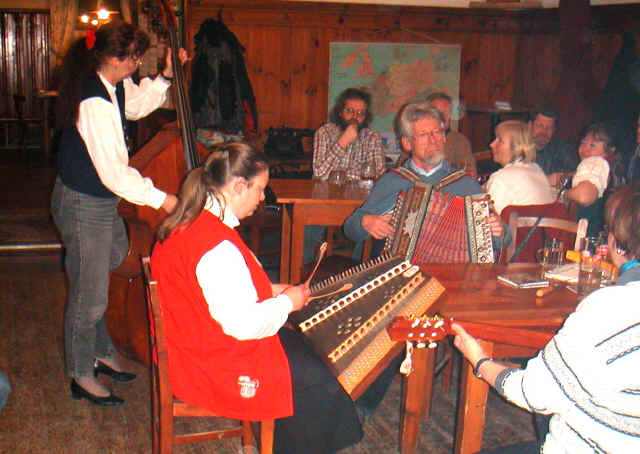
(221, 93)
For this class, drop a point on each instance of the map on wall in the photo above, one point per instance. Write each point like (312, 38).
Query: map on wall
(394, 74)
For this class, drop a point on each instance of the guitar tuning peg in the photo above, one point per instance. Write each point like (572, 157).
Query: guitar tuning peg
(432, 345)
(421, 345)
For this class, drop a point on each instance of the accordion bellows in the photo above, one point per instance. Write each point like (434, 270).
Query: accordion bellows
(436, 227)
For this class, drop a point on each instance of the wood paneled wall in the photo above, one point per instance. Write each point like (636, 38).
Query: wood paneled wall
(506, 55)
(24, 59)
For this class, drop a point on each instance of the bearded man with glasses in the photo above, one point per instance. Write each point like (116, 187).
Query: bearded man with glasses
(346, 143)
(422, 135)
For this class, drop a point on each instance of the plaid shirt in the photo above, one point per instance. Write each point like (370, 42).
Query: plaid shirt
(328, 155)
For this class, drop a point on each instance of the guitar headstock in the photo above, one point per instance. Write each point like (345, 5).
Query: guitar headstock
(424, 331)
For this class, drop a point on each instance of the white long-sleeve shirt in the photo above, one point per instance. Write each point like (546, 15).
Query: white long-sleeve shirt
(519, 183)
(100, 127)
(588, 377)
(231, 296)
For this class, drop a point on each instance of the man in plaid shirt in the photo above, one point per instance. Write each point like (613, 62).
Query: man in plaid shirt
(346, 143)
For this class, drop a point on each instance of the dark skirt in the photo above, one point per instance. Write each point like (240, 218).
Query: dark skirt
(325, 418)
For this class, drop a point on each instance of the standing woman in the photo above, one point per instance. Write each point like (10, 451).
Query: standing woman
(96, 97)
(520, 181)
(223, 318)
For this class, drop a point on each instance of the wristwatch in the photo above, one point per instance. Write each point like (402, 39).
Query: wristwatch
(476, 368)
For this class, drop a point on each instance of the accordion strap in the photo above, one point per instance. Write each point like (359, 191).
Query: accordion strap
(414, 178)
(451, 178)
(407, 174)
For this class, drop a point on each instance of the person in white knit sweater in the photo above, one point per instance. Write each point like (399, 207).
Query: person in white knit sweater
(587, 377)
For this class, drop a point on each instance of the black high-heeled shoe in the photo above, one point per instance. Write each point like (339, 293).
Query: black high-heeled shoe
(78, 392)
(122, 377)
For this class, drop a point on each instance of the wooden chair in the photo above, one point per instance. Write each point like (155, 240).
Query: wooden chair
(165, 408)
(570, 232)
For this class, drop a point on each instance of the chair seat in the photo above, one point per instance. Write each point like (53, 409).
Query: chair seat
(181, 408)
(165, 407)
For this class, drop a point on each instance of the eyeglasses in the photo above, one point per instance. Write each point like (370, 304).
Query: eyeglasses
(355, 113)
(436, 134)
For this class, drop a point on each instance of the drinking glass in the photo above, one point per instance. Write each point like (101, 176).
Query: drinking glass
(552, 254)
(367, 175)
(337, 177)
(590, 274)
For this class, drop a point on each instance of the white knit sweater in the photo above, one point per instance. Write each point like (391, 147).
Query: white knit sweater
(588, 377)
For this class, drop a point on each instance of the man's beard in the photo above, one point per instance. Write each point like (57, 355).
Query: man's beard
(435, 159)
(540, 142)
(342, 123)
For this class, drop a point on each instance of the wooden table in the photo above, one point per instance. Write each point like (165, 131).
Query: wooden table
(309, 202)
(473, 294)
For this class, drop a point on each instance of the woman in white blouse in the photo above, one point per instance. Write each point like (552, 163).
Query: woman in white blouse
(97, 96)
(520, 181)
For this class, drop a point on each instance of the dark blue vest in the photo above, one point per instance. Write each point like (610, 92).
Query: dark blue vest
(75, 167)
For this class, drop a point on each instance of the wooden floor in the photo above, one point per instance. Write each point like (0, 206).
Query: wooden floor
(40, 416)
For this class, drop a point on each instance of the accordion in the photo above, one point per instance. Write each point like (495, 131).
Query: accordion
(347, 326)
(435, 227)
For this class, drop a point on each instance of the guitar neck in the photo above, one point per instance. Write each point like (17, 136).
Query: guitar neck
(509, 336)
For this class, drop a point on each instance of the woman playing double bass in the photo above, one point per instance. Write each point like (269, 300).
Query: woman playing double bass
(96, 98)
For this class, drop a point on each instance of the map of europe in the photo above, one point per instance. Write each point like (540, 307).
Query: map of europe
(393, 74)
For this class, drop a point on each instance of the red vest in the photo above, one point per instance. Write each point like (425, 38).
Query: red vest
(205, 364)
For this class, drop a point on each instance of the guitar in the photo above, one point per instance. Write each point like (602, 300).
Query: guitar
(427, 331)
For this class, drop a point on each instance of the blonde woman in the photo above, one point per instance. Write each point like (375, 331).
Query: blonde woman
(520, 181)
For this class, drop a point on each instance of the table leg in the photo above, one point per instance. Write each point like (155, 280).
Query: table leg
(472, 405)
(285, 245)
(46, 138)
(416, 402)
(298, 222)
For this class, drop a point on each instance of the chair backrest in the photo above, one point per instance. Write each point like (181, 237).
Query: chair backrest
(162, 395)
(555, 223)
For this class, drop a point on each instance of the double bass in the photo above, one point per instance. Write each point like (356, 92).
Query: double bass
(165, 159)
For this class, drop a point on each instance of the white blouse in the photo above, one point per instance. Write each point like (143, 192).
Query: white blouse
(100, 127)
(519, 183)
(228, 289)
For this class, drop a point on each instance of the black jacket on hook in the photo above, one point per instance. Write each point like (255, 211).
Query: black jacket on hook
(221, 93)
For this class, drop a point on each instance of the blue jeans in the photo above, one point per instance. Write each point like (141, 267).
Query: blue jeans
(95, 241)
(5, 390)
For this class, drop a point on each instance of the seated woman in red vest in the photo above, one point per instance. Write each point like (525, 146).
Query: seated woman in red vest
(227, 347)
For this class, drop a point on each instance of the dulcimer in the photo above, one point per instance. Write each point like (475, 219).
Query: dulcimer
(165, 159)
